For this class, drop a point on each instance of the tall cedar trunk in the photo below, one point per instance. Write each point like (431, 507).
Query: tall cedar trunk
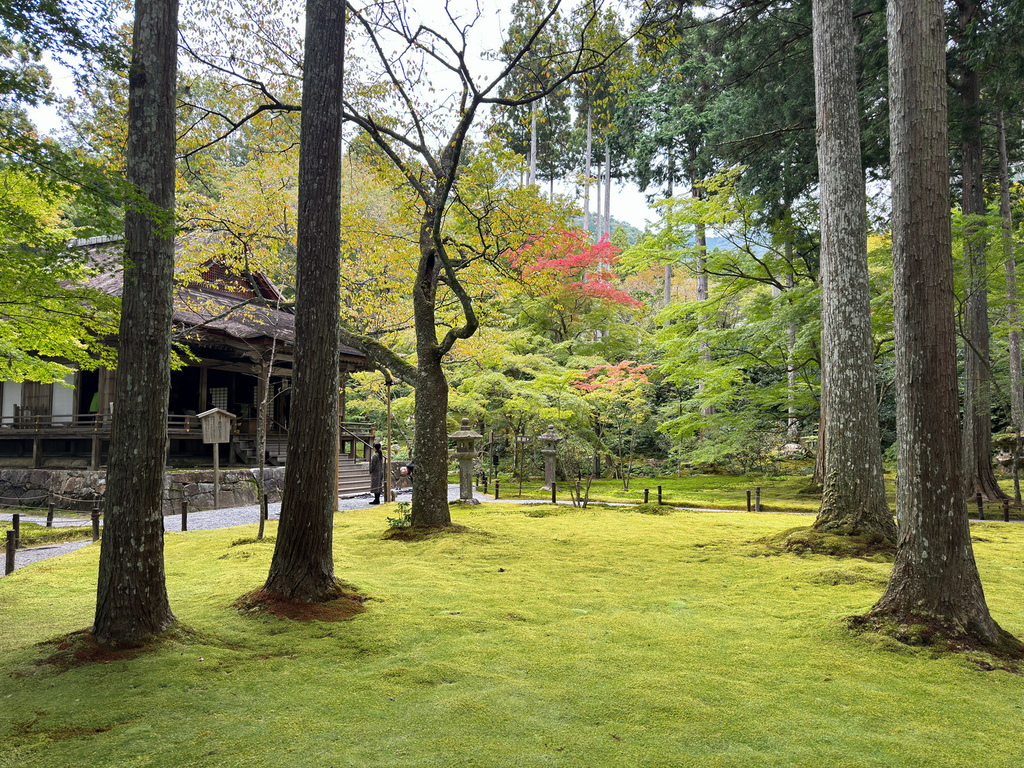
(608, 185)
(793, 428)
(934, 575)
(131, 593)
(667, 285)
(700, 242)
(977, 432)
(588, 166)
(853, 497)
(303, 564)
(1012, 318)
(430, 487)
(533, 143)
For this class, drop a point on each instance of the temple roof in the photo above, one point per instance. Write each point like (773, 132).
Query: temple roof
(215, 306)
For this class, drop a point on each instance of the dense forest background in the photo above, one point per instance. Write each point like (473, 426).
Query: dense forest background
(692, 345)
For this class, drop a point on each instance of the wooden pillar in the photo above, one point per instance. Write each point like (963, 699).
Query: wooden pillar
(203, 407)
(76, 387)
(101, 395)
(341, 405)
(339, 445)
(97, 452)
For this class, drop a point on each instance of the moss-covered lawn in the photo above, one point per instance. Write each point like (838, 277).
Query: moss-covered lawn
(581, 638)
(793, 493)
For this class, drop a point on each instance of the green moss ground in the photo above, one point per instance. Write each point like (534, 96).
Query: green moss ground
(582, 638)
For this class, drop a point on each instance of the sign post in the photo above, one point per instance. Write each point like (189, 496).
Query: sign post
(216, 430)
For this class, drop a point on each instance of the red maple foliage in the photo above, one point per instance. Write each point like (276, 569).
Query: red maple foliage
(566, 255)
(613, 377)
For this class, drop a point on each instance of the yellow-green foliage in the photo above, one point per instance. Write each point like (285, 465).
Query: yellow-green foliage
(588, 638)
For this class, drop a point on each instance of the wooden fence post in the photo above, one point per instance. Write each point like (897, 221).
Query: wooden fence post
(495, 489)
(554, 492)
(9, 559)
(49, 515)
(96, 521)
(184, 515)
(981, 506)
(659, 496)
(647, 495)
(16, 527)
(1006, 510)
(748, 500)
(757, 498)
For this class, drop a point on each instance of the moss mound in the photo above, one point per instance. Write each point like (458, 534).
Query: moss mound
(423, 532)
(346, 604)
(939, 637)
(807, 541)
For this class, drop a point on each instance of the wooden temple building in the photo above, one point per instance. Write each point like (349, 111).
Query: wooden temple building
(238, 340)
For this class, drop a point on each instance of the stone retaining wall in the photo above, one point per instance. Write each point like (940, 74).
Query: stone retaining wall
(78, 489)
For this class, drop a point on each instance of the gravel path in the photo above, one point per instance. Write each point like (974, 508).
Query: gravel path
(228, 518)
(197, 521)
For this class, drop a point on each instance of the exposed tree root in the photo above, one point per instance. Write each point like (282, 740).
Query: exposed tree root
(944, 637)
(79, 648)
(345, 604)
(423, 532)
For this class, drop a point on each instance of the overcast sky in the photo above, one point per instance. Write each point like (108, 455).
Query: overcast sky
(628, 203)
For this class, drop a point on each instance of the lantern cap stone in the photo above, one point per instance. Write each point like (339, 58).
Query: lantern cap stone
(550, 436)
(465, 432)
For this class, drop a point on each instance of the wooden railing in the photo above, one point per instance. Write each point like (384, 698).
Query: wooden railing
(85, 424)
(178, 425)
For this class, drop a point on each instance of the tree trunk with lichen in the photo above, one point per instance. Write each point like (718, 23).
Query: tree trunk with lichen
(303, 563)
(853, 497)
(979, 476)
(131, 593)
(1012, 311)
(934, 579)
(430, 441)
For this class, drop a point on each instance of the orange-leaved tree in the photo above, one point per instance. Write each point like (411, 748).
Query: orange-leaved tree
(618, 397)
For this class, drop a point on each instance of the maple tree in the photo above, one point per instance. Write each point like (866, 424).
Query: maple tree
(569, 295)
(53, 324)
(618, 396)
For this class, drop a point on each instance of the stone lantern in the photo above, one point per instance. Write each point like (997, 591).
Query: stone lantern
(465, 451)
(548, 448)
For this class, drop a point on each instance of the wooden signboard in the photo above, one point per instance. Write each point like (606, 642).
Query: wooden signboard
(216, 425)
(216, 429)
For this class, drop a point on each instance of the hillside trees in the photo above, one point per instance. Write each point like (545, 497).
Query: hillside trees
(736, 342)
(537, 130)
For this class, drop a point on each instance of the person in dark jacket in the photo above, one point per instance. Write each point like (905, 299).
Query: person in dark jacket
(376, 473)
